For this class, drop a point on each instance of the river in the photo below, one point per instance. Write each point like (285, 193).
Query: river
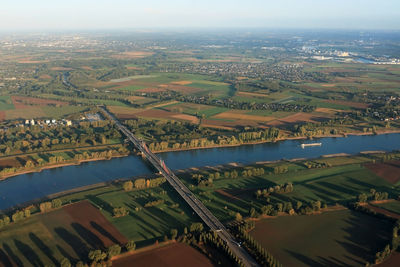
(26, 187)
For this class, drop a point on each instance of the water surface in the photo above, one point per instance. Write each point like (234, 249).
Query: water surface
(26, 187)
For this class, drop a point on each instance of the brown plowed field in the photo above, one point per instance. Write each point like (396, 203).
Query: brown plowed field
(177, 254)
(299, 117)
(389, 171)
(89, 217)
(394, 260)
(27, 102)
(348, 103)
(2, 115)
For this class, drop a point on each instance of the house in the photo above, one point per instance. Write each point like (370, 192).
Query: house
(32, 122)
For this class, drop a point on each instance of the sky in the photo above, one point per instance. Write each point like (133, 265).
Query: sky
(152, 14)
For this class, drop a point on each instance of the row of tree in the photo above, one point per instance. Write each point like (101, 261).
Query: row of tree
(279, 189)
(262, 256)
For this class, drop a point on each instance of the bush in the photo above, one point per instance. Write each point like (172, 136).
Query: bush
(97, 255)
(120, 212)
(114, 250)
(64, 262)
(128, 186)
(56, 203)
(130, 245)
(196, 227)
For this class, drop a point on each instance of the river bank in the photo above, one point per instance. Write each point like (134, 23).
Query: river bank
(53, 166)
(278, 140)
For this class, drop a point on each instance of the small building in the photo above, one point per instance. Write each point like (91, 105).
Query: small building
(27, 122)
(32, 122)
(47, 121)
(53, 121)
(68, 122)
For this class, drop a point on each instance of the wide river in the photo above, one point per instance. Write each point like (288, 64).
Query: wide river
(26, 187)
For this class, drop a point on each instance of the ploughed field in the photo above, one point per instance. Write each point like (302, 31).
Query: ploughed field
(336, 238)
(177, 254)
(44, 239)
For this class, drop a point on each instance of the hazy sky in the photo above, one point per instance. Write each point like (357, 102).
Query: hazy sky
(125, 14)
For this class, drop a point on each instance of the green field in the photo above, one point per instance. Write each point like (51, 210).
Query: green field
(393, 206)
(60, 112)
(335, 238)
(133, 87)
(6, 103)
(330, 185)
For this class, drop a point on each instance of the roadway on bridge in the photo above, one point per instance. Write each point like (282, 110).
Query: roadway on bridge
(208, 218)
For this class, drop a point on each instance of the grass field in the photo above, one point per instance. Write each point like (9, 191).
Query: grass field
(336, 238)
(6, 103)
(44, 239)
(330, 185)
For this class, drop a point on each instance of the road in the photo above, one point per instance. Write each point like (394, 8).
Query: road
(208, 218)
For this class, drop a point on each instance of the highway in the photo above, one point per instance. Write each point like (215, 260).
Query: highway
(208, 218)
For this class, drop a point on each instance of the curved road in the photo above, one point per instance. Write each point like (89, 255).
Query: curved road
(208, 218)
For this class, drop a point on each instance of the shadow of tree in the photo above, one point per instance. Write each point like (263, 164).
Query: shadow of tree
(4, 260)
(64, 253)
(10, 253)
(104, 232)
(29, 253)
(87, 235)
(74, 241)
(43, 247)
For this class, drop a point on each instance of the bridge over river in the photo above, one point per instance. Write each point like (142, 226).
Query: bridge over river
(208, 218)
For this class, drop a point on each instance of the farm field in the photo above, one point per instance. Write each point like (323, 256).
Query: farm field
(44, 239)
(144, 225)
(390, 171)
(177, 254)
(334, 238)
(20, 107)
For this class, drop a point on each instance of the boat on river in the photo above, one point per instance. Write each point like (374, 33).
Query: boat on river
(310, 144)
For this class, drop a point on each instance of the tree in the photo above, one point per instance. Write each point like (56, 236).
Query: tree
(80, 264)
(140, 183)
(64, 262)
(253, 213)
(27, 213)
(56, 203)
(238, 217)
(362, 198)
(114, 250)
(97, 255)
(128, 186)
(196, 227)
(45, 206)
(174, 234)
(130, 245)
